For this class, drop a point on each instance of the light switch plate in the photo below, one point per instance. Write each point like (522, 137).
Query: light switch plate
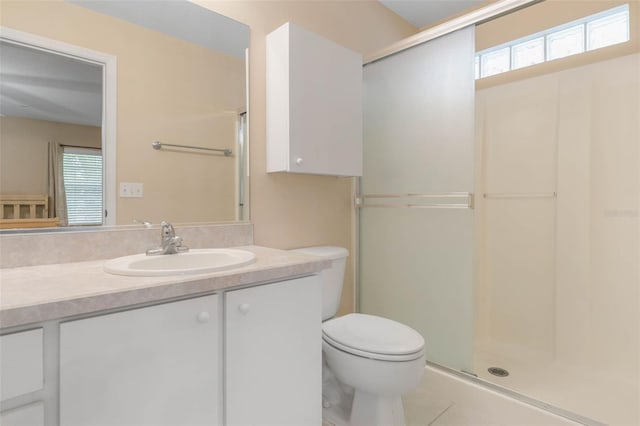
(131, 190)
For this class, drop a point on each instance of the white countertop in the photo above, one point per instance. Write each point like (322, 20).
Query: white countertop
(35, 294)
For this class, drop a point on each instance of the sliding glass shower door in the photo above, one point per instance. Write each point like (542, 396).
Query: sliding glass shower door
(415, 197)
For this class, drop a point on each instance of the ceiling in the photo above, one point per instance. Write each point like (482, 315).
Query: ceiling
(422, 13)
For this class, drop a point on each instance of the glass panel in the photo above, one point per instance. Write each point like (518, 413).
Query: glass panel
(476, 64)
(530, 52)
(495, 62)
(416, 268)
(416, 264)
(565, 43)
(609, 30)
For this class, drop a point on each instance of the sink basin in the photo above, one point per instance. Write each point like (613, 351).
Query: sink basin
(194, 261)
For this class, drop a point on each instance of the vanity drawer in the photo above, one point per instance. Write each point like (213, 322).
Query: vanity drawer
(21, 363)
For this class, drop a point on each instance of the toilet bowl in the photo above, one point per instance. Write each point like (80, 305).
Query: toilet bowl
(378, 358)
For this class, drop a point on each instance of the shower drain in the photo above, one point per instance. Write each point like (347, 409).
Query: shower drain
(497, 371)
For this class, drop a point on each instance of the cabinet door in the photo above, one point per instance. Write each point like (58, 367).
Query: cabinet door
(274, 354)
(314, 104)
(156, 366)
(21, 363)
(28, 415)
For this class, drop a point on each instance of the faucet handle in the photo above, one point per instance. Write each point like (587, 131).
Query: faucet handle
(166, 230)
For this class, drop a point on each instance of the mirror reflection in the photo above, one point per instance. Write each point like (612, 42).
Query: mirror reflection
(181, 83)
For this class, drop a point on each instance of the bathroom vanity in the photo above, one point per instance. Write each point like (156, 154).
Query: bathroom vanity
(239, 347)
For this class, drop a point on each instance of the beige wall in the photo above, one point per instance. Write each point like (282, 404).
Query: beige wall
(546, 15)
(23, 151)
(167, 90)
(291, 210)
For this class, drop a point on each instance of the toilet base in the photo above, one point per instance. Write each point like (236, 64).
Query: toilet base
(376, 410)
(337, 398)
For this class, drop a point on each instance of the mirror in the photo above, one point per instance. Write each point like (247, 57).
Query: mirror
(89, 82)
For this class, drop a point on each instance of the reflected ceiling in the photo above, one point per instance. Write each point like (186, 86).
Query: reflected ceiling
(422, 13)
(35, 84)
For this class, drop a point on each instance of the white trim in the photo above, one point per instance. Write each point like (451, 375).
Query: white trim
(81, 150)
(109, 67)
(479, 15)
(247, 145)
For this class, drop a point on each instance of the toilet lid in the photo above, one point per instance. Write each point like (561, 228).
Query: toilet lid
(372, 334)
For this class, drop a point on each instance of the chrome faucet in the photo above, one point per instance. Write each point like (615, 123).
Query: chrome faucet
(170, 243)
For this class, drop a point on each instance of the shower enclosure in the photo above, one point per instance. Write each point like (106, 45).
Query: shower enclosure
(503, 223)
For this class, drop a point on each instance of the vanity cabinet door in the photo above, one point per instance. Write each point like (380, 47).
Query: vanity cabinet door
(158, 365)
(27, 415)
(274, 354)
(21, 363)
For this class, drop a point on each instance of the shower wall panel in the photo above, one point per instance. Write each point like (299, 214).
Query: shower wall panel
(558, 279)
(516, 209)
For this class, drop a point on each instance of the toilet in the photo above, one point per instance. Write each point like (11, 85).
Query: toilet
(375, 360)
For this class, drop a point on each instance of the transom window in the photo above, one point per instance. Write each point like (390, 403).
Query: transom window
(593, 32)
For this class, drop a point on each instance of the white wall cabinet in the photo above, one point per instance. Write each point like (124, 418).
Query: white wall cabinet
(156, 365)
(314, 104)
(273, 354)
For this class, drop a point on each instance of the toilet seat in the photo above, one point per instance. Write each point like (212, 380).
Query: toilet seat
(372, 355)
(373, 337)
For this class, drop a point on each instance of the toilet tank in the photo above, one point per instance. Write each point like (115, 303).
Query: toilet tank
(332, 278)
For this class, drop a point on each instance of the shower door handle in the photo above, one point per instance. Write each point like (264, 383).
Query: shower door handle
(441, 200)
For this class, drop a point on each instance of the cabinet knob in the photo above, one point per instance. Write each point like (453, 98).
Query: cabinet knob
(299, 161)
(244, 308)
(203, 316)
